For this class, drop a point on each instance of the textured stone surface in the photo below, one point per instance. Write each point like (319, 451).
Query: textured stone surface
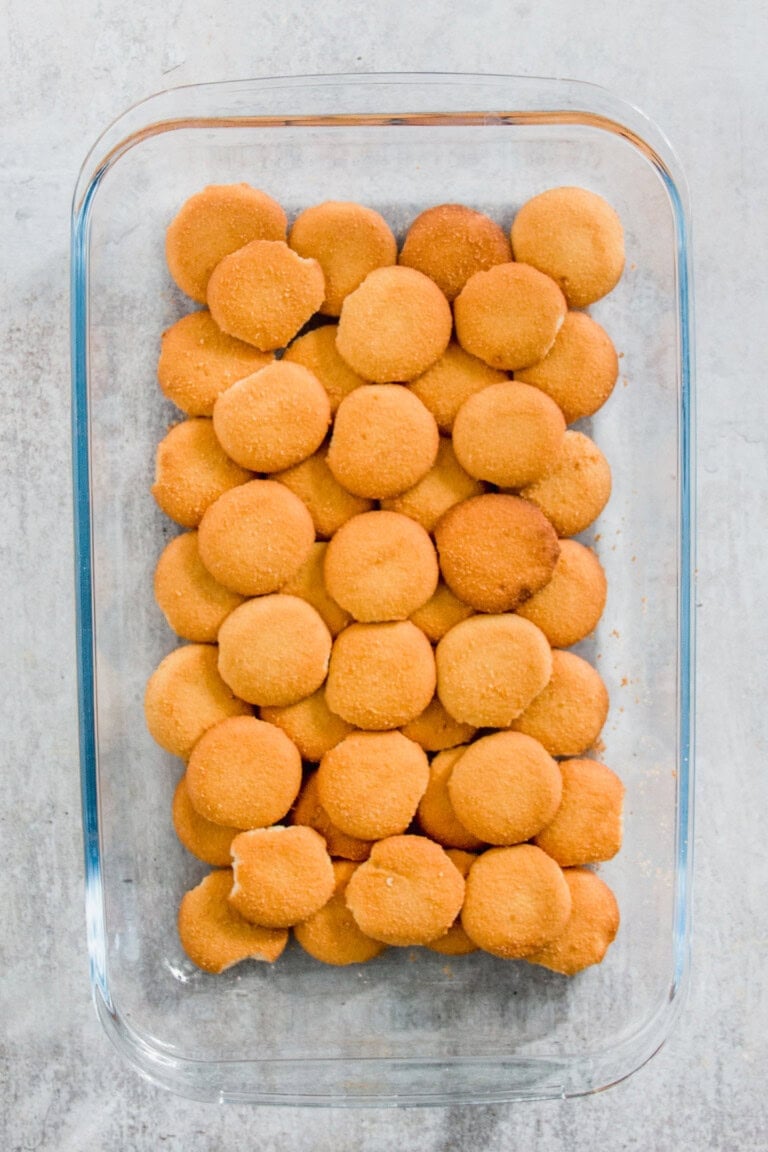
(68, 69)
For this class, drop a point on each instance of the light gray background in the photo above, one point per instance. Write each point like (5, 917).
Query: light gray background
(67, 69)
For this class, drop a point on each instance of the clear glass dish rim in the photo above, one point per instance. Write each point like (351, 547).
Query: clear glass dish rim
(523, 100)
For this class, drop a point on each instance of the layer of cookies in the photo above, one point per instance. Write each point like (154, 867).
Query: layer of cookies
(383, 730)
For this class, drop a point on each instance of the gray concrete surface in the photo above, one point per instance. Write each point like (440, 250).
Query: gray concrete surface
(699, 69)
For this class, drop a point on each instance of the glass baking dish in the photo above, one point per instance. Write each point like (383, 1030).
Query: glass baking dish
(412, 1027)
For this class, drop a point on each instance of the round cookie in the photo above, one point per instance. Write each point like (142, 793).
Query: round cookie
(310, 812)
(264, 293)
(580, 369)
(495, 551)
(453, 378)
(568, 715)
(591, 927)
(509, 316)
(198, 362)
(450, 242)
(380, 675)
(191, 471)
(311, 725)
(331, 934)
(440, 613)
(444, 485)
(510, 434)
(384, 440)
(348, 241)
(380, 566)
(213, 223)
(273, 419)
(490, 668)
(328, 503)
(317, 351)
(370, 784)
(243, 773)
(574, 236)
(587, 827)
(185, 696)
(571, 605)
(281, 875)
(256, 537)
(435, 815)
(505, 788)
(309, 584)
(274, 650)
(215, 936)
(207, 841)
(516, 901)
(435, 730)
(575, 492)
(456, 942)
(394, 326)
(193, 603)
(407, 892)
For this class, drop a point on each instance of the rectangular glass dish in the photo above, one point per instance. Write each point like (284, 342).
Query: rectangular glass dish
(410, 1027)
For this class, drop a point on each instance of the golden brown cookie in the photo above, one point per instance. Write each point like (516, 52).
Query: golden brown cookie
(436, 816)
(384, 440)
(591, 927)
(185, 696)
(380, 675)
(516, 901)
(580, 369)
(329, 504)
(309, 584)
(193, 603)
(394, 326)
(574, 236)
(440, 613)
(568, 715)
(309, 811)
(370, 784)
(256, 537)
(198, 362)
(348, 241)
(317, 351)
(510, 434)
(264, 293)
(331, 935)
(456, 942)
(281, 875)
(435, 730)
(450, 242)
(509, 316)
(311, 725)
(490, 668)
(215, 936)
(588, 825)
(577, 489)
(505, 788)
(191, 471)
(444, 485)
(207, 841)
(244, 773)
(274, 650)
(571, 605)
(495, 551)
(407, 892)
(273, 419)
(380, 566)
(445, 386)
(213, 223)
